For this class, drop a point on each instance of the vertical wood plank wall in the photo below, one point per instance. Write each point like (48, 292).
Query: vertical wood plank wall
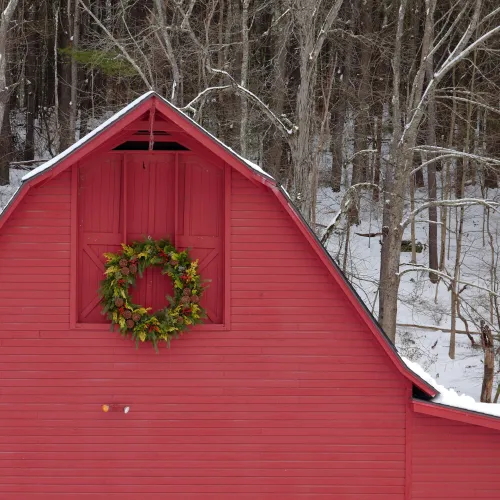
(297, 400)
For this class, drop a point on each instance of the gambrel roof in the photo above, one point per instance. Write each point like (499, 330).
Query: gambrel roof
(153, 103)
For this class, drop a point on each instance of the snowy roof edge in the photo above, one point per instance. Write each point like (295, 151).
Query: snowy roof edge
(448, 398)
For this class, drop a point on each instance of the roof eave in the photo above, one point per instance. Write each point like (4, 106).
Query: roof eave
(463, 415)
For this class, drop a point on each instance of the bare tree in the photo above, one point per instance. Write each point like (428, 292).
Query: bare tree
(5, 20)
(406, 121)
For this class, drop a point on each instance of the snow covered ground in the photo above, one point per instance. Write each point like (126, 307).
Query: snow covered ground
(419, 301)
(6, 192)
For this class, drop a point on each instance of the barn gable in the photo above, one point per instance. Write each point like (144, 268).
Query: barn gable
(289, 391)
(94, 160)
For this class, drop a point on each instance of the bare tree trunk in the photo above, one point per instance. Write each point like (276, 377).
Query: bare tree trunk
(361, 123)
(274, 144)
(379, 136)
(66, 138)
(32, 83)
(431, 172)
(446, 189)
(412, 208)
(489, 362)
(311, 42)
(338, 116)
(454, 284)
(177, 82)
(75, 41)
(245, 49)
(5, 21)
(6, 146)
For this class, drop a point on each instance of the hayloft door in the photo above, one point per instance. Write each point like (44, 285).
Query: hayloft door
(126, 197)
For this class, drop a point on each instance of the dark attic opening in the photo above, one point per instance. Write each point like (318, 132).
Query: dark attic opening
(144, 146)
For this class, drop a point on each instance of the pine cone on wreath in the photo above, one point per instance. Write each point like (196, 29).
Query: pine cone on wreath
(133, 268)
(123, 263)
(125, 271)
(136, 317)
(186, 291)
(185, 300)
(119, 302)
(130, 324)
(127, 314)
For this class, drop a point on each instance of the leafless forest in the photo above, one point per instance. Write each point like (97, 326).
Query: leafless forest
(392, 101)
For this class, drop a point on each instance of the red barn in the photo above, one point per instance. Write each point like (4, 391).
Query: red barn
(289, 390)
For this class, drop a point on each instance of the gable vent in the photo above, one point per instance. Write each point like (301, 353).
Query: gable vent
(144, 146)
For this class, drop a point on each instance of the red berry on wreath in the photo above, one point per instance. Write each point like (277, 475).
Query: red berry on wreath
(133, 268)
(123, 263)
(130, 324)
(119, 302)
(125, 271)
(136, 317)
(121, 282)
(127, 314)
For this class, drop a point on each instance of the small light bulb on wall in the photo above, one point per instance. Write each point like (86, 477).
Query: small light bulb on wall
(105, 408)
(126, 409)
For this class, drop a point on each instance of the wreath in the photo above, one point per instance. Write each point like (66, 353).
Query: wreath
(121, 271)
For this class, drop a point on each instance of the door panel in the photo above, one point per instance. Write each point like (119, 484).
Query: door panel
(151, 212)
(201, 229)
(100, 229)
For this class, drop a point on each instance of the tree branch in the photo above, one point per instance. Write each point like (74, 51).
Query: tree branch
(283, 124)
(462, 203)
(418, 267)
(122, 49)
(327, 24)
(203, 93)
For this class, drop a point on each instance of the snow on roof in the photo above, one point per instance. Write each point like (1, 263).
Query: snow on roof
(449, 397)
(53, 161)
(49, 164)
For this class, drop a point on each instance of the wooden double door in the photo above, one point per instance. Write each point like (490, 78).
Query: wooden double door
(128, 196)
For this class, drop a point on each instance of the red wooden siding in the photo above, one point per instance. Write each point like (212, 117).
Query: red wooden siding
(313, 347)
(453, 460)
(296, 401)
(132, 196)
(35, 260)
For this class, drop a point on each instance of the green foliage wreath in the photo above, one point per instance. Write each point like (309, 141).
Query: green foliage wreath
(121, 272)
